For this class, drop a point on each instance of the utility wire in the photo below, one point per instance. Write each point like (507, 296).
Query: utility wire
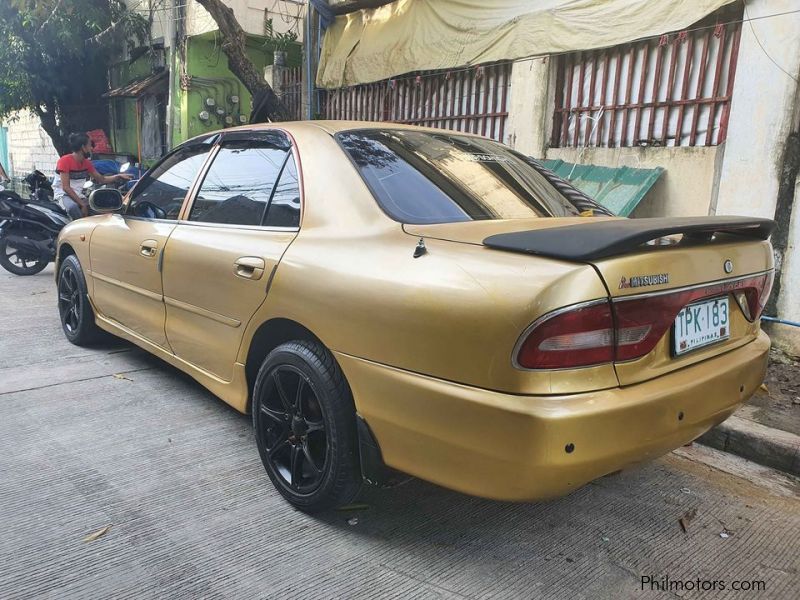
(764, 50)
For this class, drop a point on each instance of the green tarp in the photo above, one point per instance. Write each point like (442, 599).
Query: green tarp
(619, 189)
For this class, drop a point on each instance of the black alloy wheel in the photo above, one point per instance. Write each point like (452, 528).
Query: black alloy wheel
(15, 261)
(294, 429)
(304, 422)
(74, 309)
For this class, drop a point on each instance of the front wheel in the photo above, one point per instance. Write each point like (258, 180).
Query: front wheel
(305, 426)
(77, 316)
(16, 261)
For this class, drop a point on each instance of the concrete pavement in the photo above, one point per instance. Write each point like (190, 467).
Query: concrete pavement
(111, 436)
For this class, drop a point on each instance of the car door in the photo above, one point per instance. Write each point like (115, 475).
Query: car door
(219, 259)
(126, 250)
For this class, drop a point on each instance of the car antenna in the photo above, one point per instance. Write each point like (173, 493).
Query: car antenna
(420, 250)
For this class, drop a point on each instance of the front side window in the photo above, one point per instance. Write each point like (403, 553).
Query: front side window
(161, 192)
(239, 184)
(437, 177)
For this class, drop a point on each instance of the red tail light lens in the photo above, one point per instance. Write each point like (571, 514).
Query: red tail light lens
(754, 295)
(578, 337)
(588, 335)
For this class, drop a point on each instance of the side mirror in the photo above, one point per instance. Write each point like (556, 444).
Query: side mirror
(105, 200)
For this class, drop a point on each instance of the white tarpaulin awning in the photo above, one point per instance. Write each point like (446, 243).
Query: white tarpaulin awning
(418, 35)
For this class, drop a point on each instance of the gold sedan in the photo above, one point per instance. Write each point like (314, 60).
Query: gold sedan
(385, 298)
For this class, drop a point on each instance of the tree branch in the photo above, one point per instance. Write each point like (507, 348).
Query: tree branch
(48, 19)
(234, 46)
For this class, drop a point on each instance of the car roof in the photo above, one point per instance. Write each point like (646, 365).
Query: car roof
(329, 126)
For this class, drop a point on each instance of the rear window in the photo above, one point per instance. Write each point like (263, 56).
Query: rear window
(437, 177)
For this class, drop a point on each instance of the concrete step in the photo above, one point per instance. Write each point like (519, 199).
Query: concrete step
(756, 442)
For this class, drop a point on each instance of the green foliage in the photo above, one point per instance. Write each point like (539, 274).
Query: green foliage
(280, 41)
(54, 58)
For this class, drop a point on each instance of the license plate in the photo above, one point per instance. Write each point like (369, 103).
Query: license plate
(701, 324)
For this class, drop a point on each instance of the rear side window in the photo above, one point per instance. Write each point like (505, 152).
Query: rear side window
(239, 184)
(437, 177)
(284, 208)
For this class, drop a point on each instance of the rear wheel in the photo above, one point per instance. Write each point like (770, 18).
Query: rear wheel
(305, 426)
(16, 261)
(77, 316)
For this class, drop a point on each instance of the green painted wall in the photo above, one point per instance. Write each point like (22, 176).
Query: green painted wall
(123, 110)
(207, 66)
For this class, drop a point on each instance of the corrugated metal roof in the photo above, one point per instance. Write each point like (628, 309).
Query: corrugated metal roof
(134, 89)
(618, 189)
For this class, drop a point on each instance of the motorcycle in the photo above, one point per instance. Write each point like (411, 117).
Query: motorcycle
(29, 228)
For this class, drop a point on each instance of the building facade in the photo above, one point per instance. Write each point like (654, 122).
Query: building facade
(175, 87)
(714, 106)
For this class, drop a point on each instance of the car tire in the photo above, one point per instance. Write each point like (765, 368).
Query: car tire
(305, 427)
(74, 308)
(5, 261)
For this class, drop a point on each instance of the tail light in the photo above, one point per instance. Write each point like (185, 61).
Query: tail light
(754, 295)
(576, 337)
(629, 328)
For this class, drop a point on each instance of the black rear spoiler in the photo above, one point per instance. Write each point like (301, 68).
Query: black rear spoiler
(594, 240)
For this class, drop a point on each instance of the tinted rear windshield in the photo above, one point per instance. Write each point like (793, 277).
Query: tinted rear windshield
(438, 177)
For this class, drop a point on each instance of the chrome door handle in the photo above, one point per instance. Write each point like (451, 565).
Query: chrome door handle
(249, 267)
(148, 248)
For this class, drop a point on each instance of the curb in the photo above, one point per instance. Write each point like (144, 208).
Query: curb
(756, 442)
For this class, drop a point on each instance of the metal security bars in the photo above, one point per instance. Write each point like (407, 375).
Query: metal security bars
(291, 91)
(671, 91)
(471, 99)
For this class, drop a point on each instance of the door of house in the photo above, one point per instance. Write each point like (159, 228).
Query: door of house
(4, 150)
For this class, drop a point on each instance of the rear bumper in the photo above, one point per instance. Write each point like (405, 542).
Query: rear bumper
(510, 447)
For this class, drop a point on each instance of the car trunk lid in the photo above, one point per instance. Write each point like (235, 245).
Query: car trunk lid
(652, 269)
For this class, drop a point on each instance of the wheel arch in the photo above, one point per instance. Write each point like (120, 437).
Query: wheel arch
(64, 250)
(269, 335)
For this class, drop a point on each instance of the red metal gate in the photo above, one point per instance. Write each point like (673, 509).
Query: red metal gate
(672, 91)
(471, 99)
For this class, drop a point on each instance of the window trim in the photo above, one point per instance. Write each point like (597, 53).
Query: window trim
(188, 203)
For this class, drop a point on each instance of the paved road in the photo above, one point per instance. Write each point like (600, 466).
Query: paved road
(110, 436)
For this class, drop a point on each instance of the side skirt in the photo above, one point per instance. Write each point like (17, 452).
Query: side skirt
(234, 392)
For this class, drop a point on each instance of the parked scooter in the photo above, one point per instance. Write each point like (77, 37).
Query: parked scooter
(29, 228)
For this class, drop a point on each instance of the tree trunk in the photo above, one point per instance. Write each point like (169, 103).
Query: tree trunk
(47, 118)
(234, 47)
